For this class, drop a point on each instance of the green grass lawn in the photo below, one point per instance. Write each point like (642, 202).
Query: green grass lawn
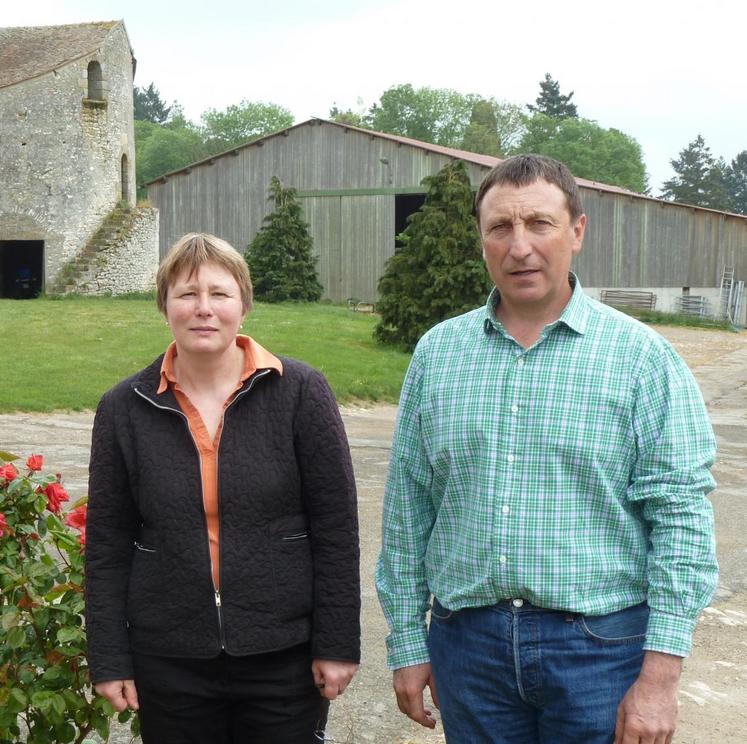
(64, 353)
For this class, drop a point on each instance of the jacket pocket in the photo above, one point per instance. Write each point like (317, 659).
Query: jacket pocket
(293, 571)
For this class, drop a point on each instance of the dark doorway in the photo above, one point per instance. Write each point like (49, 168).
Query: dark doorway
(404, 206)
(21, 268)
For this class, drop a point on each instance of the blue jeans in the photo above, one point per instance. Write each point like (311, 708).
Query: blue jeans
(508, 674)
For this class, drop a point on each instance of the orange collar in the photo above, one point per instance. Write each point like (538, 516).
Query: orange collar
(255, 357)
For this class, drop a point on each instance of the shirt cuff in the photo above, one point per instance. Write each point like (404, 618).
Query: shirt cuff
(669, 634)
(406, 648)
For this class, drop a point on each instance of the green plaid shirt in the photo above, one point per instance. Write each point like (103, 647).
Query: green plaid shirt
(572, 474)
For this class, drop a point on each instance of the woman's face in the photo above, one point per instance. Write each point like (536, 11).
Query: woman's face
(204, 311)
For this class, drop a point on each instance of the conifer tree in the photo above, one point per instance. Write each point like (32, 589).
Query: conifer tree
(438, 272)
(551, 102)
(280, 256)
(700, 179)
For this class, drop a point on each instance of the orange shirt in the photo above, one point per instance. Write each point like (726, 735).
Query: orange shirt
(255, 357)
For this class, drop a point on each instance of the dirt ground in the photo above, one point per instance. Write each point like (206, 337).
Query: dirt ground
(713, 691)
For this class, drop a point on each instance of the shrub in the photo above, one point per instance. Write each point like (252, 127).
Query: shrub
(280, 257)
(45, 692)
(438, 272)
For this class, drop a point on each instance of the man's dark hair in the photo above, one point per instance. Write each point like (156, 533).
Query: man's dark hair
(522, 170)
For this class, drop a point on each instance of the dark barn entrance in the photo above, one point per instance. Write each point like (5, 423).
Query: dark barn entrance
(21, 268)
(404, 206)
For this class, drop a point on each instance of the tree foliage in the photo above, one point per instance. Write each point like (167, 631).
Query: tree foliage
(446, 117)
(700, 179)
(438, 272)
(736, 183)
(149, 106)
(241, 123)
(590, 151)
(280, 256)
(162, 149)
(551, 102)
(348, 116)
(481, 134)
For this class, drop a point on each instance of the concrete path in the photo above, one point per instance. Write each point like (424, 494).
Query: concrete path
(714, 686)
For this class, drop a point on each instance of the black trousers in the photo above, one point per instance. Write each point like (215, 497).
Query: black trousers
(262, 699)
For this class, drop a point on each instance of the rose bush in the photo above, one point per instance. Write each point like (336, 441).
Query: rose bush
(45, 691)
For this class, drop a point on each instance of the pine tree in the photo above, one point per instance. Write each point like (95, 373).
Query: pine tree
(551, 102)
(736, 181)
(280, 256)
(149, 106)
(438, 272)
(700, 179)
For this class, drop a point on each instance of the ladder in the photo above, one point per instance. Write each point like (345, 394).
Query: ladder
(730, 296)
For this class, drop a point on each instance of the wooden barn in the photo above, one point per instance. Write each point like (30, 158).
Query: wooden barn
(358, 187)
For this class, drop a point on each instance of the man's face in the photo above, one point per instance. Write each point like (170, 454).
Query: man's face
(528, 241)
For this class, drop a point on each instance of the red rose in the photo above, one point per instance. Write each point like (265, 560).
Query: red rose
(3, 525)
(77, 517)
(56, 496)
(8, 473)
(35, 463)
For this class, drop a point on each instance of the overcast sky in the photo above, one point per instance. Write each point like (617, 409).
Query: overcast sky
(662, 71)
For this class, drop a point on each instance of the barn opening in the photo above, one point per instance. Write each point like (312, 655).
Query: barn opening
(21, 268)
(404, 206)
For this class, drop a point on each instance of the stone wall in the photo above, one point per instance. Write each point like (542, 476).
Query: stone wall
(130, 265)
(61, 155)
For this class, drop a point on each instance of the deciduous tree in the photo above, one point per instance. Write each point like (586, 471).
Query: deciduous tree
(241, 123)
(590, 151)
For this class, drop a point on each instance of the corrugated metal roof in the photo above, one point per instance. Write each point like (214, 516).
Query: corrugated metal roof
(30, 51)
(487, 161)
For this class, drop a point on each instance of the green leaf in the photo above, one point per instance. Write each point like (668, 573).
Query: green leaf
(11, 618)
(16, 637)
(66, 733)
(8, 457)
(58, 703)
(40, 504)
(65, 635)
(19, 696)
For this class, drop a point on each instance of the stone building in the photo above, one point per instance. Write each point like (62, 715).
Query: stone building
(67, 163)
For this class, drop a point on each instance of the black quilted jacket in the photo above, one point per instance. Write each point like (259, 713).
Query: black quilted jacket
(288, 526)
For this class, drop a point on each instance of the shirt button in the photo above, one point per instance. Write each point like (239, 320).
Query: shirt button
(503, 559)
(520, 362)
(510, 458)
(517, 602)
(505, 509)
(514, 409)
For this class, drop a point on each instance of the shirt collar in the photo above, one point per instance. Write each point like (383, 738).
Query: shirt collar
(575, 315)
(255, 357)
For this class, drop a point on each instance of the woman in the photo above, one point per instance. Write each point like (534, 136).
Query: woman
(222, 588)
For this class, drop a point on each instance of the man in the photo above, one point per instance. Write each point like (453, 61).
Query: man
(548, 487)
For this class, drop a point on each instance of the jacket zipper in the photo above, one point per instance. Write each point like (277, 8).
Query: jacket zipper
(216, 591)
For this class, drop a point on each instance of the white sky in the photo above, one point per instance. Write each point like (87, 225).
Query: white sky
(661, 71)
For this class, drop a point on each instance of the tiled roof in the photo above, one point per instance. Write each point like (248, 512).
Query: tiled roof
(29, 51)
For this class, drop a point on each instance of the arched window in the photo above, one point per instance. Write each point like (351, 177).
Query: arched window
(95, 82)
(125, 180)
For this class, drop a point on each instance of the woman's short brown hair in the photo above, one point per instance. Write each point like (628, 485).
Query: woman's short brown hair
(192, 251)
